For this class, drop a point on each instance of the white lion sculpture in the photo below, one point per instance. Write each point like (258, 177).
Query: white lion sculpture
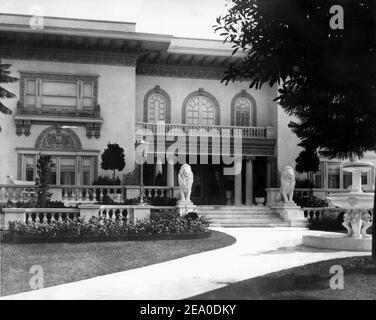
(185, 179)
(286, 190)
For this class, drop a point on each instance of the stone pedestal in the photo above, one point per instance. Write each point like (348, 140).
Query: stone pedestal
(291, 213)
(140, 212)
(184, 207)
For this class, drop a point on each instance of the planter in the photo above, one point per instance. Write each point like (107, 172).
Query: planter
(8, 238)
(260, 201)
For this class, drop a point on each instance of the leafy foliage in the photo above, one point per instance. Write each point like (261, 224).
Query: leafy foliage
(324, 74)
(5, 78)
(105, 227)
(307, 161)
(113, 158)
(106, 181)
(45, 168)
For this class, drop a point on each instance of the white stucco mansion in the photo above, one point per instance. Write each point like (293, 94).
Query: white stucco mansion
(84, 83)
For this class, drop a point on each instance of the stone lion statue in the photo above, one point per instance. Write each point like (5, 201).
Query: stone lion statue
(185, 179)
(286, 190)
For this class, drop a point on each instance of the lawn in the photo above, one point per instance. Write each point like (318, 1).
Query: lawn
(310, 282)
(67, 262)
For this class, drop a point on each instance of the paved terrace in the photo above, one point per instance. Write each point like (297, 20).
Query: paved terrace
(258, 251)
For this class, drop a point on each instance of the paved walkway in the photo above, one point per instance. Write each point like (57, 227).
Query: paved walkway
(258, 251)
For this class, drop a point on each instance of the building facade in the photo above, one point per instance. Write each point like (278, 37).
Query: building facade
(85, 83)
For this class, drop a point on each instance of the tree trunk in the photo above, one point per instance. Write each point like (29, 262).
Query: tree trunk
(113, 177)
(374, 226)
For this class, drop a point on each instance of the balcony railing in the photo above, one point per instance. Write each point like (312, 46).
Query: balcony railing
(55, 112)
(143, 128)
(85, 194)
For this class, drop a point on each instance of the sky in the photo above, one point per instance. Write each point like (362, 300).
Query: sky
(180, 18)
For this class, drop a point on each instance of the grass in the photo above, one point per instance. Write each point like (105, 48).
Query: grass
(68, 262)
(310, 282)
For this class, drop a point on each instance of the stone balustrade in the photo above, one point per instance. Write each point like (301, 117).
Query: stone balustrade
(317, 213)
(38, 215)
(144, 128)
(272, 193)
(84, 194)
(16, 193)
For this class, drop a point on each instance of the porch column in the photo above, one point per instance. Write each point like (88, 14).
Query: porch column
(158, 167)
(268, 171)
(238, 182)
(249, 181)
(170, 174)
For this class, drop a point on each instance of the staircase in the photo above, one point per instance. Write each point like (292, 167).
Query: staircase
(242, 216)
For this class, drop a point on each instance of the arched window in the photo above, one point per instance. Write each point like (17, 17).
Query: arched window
(157, 106)
(243, 110)
(201, 107)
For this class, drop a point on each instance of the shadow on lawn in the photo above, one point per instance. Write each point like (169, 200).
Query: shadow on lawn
(308, 282)
(288, 250)
(271, 287)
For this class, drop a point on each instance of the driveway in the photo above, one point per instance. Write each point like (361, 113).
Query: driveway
(258, 251)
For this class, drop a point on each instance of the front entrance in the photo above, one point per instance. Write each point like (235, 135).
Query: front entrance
(210, 185)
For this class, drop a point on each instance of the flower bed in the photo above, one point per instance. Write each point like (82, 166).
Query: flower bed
(105, 229)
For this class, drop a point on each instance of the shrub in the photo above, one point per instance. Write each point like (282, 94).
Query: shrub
(34, 204)
(311, 202)
(45, 168)
(106, 181)
(156, 214)
(191, 216)
(104, 227)
(327, 223)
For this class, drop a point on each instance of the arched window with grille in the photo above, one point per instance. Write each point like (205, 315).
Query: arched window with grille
(157, 106)
(243, 110)
(201, 108)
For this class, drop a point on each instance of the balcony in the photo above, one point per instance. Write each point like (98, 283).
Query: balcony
(254, 140)
(25, 117)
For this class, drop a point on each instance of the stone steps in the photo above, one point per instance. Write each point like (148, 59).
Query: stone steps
(242, 216)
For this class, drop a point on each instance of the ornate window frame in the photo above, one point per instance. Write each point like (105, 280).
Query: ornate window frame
(63, 77)
(70, 147)
(26, 117)
(157, 90)
(252, 112)
(212, 98)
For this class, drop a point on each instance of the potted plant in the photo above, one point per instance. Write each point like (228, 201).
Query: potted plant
(260, 195)
(229, 185)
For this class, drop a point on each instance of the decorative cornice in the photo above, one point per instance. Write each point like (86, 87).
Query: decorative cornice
(56, 138)
(69, 56)
(176, 71)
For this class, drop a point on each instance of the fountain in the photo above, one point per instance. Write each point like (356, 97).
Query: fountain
(357, 220)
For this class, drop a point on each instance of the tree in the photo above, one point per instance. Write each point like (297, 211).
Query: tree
(307, 161)
(324, 74)
(5, 78)
(113, 158)
(45, 168)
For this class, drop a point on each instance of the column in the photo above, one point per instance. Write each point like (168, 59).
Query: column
(249, 182)
(238, 182)
(268, 171)
(158, 167)
(170, 174)
(325, 174)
